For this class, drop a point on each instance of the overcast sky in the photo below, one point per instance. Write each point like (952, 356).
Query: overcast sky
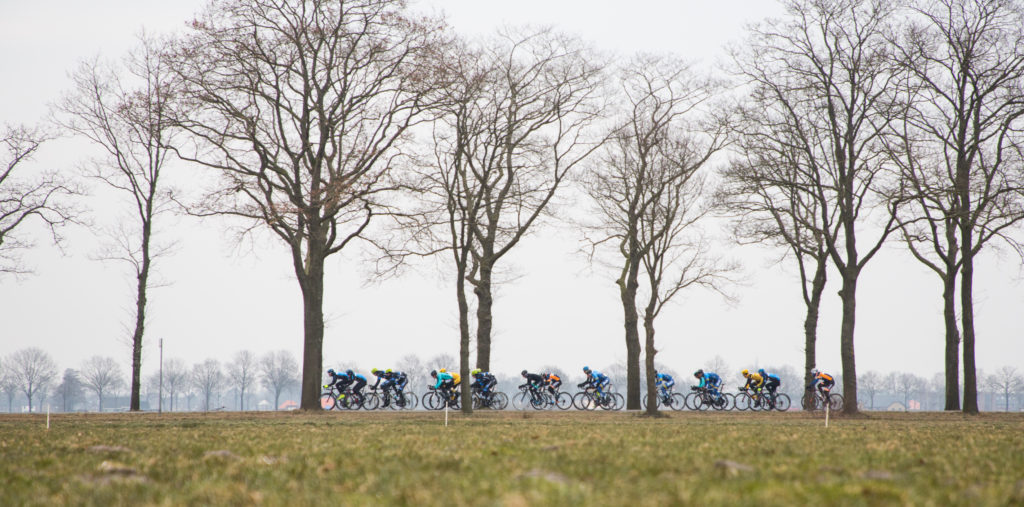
(221, 297)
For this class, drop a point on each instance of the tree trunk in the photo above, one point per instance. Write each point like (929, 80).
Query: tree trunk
(627, 293)
(952, 341)
(967, 307)
(650, 351)
(811, 324)
(484, 305)
(460, 294)
(849, 297)
(312, 284)
(140, 320)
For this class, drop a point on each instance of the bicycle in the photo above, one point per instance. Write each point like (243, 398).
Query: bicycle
(347, 400)
(747, 400)
(590, 399)
(494, 399)
(702, 399)
(437, 399)
(400, 400)
(529, 396)
(675, 401)
(813, 399)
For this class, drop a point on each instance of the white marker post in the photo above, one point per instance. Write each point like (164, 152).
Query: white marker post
(446, 413)
(827, 406)
(47, 416)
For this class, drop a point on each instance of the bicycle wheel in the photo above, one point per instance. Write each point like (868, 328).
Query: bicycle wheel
(676, 401)
(691, 401)
(328, 402)
(411, 401)
(563, 401)
(538, 402)
(432, 401)
(499, 401)
(620, 401)
(722, 402)
(811, 401)
(742, 401)
(836, 402)
(782, 402)
(371, 401)
(520, 400)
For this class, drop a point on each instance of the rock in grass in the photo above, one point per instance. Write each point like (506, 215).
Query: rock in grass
(220, 454)
(732, 468)
(109, 449)
(112, 471)
(554, 477)
(878, 475)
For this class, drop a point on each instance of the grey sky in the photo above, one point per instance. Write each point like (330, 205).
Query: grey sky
(557, 309)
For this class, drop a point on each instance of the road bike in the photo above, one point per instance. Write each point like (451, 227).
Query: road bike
(590, 399)
(494, 400)
(334, 399)
(813, 399)
(703, 398)
(667, 398)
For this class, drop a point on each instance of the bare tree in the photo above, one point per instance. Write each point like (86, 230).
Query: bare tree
(960, 151)
(908, 385)
(510, 126)
(415, 370)
(34, 371)
(871, 383)
(175, 380)
(820, 78)
(718, 365)
(69, 391)
(207, 378)
(647, 188)
(302, 107)
(279, 371)
(101, 375)
(9, 384)
(1006, 382)
(242, 373)
(123, 110)
(27, 194)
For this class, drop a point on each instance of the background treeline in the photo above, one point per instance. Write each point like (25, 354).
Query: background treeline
(31, 380)
(836, 129)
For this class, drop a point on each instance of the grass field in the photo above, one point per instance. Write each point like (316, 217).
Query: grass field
(511, 459)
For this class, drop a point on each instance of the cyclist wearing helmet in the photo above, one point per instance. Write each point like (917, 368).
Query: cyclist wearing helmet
(823, 380)
(445, 382)
(771, 381)
(709, 380)
(336, 378)
(483, 380)
(358, 381)
(380, 376)
(596, 379)
(754, 381)
(665, 380)
(553, 381)
(533, 381)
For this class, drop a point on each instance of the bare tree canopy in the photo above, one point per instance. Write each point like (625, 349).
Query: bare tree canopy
(819, 94)
(28, 194)
(648, 192)
(101, 375)
(34, 370)
(208, 379)
(960, 151)
(123, 109)
(242, 373)
(279, 371)
(302, 108)
(1007, 382)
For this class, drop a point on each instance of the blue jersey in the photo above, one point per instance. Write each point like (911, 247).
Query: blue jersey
(664, 377)
(442, 377)
(710, 379)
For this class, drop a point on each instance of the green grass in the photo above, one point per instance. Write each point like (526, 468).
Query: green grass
(511, 459)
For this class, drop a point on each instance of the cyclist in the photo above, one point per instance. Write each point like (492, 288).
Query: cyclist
(754, 381)
(358, 381)
(664, 381)
(397, 381)
(484, 381)
(553, 381)
(823, 380)
(380, 376)
(771, 381)
(445, 383)
(338, 379)
(596, 379)
(534, 382)
(709, 380)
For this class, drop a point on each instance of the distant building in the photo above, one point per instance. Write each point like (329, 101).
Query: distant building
(289, 405)
(896, 407)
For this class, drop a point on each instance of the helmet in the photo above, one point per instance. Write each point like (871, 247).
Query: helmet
(524, 373)
(586, 369)
(443, 370)
(475, 372)
(374, 371)
(761, 372)
(698, 373)
(815, 372)
(655, 373)
(388, 371)
(433, 373)
(350, 373)
(330, 371)
(745, 373)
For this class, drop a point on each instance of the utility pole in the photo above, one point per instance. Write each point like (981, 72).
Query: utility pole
(160, 395)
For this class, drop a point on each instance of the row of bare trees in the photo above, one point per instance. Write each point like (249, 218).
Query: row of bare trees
(328, 122)
(33, 375)
(861, 120)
